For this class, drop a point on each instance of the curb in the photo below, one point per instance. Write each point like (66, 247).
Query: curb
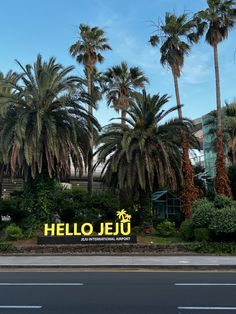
(131, 267)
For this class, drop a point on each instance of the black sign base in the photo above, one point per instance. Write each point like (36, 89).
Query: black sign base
(87, 240)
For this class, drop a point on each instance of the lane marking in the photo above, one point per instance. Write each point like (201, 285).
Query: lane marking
(41, 284)
(210, 308)
(205, 284)
(20, 306)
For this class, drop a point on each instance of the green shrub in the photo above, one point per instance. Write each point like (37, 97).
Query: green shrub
(201, 234)
(202, 203)
(12, 207)
(4, 246)
(156, 221)
(14, 232)
(137, 230)
(76, 205)
(104, 204)
(218, 248)
(166, 228)
(223, 201)
(186, 230)
(224, 221)
(203, 211)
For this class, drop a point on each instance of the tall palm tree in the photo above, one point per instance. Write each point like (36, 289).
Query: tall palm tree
(175, 37)
(121, 82)
(228, 130)
(87, 51)
(44, 127)
(145, 154)
(218, 19)
(97, 86)
(6, 83)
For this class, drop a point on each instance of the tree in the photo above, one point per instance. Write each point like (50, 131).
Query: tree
(6, 82)
(175, 38)
(228, 117)
(44, 126)
(229, 128)
(217, 20)
(45, 130)
(121, 82)
(144, 155)
(87, 51)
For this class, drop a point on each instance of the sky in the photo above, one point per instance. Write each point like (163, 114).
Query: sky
(50, 27)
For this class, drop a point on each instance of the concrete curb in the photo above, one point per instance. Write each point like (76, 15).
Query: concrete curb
(120, 262)
(126, 267)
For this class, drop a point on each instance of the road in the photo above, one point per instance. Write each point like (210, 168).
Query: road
(117, 292)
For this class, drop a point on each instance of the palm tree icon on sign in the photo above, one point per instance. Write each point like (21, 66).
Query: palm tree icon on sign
(122, 214)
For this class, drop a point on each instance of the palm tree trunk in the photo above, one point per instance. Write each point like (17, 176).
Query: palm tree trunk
(90, 151)
(234, 155)
(122, 198)
(177, 95)
(222, 186)
(124, 107)
(218, 96)
(123, 116)
(189, 194)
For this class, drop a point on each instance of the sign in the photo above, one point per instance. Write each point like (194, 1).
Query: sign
(109, 232)
(87, 240)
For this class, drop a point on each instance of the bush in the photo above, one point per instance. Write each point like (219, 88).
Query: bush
(203, 211)
(223, 201)
(14, 232)
(201, 234)
(218, 248)
(38, 198)
(186, 230)
(6, 246)
(12, 207)
(137, 230)
(76, 205)
(166, 228)
(224, 221)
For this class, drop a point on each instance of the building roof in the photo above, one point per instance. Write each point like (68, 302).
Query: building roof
(157, 195)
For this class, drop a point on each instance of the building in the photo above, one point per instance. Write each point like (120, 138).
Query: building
(206, 157)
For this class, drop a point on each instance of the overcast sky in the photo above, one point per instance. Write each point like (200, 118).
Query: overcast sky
(49, 27)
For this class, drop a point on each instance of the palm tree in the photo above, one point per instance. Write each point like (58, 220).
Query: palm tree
(121, 82)
(145, 154)
(6, 82)
(44, 127)
(175, 37)
(97, 86)
(87, 51)
(228, 130)
(218, 19)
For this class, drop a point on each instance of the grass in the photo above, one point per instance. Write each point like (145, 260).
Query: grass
(147, 239)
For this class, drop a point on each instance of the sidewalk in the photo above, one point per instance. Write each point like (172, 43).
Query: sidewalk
(162, 262)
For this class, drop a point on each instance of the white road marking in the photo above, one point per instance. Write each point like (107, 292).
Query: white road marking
(205, 284)
(20, 306)
(41, 284)
(205, 308)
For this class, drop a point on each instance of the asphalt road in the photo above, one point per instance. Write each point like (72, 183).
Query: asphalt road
(117, 292)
